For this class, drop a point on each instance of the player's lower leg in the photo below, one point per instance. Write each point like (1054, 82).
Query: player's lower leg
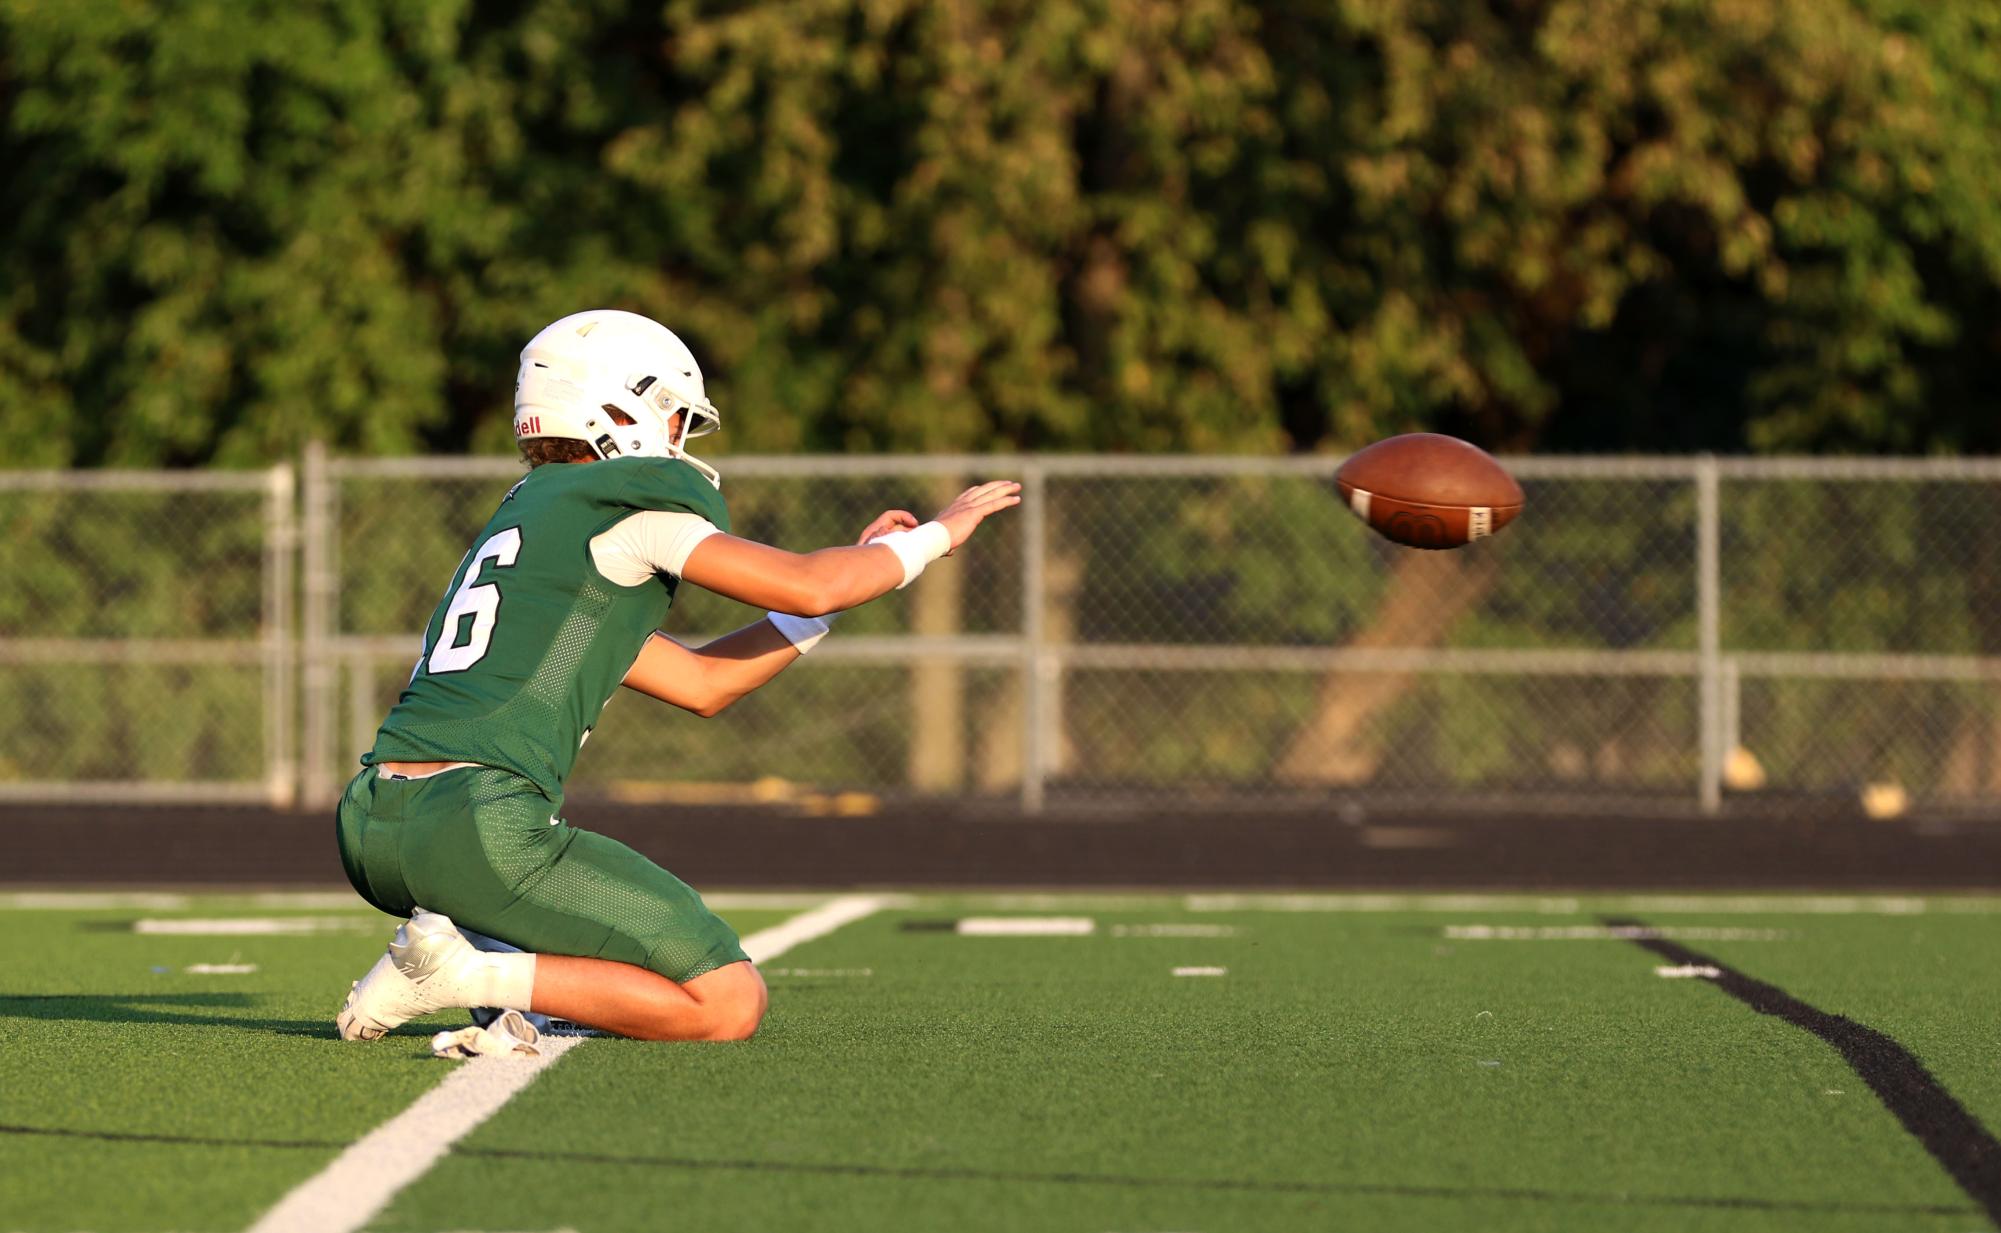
(430, 966)
(726, 1004)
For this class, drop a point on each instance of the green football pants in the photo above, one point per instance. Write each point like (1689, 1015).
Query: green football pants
(480, 846)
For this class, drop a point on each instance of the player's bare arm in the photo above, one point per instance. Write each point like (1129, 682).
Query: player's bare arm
(814, 584)
(707, 679)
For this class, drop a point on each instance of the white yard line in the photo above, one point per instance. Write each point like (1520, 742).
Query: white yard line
(307, 900)
(1174, 931)
(90, 901)
(374, 1169)
(256, 926)
(1601, 933)
(1337, 902)
(348, 1193)
(1026, 927)
(768, 944)
(1560, 905)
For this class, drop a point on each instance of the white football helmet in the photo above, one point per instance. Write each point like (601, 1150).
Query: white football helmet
(577, 370)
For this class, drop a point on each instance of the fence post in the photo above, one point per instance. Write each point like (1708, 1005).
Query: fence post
(321, 593)
(1733, 705)
(1035, 666)
(936, 760)
(1709, 621)
(281, 536)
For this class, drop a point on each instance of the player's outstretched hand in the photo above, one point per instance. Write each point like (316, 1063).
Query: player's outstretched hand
(890, 520)
(975, 504)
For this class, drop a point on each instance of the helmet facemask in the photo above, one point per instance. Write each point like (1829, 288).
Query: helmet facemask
(674, 419)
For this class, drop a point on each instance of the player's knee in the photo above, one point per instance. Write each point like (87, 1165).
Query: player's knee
(738, 1020)
(734, 999)
(745, 1012)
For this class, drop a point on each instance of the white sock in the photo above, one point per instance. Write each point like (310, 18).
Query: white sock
(506, 981)
(505, 977)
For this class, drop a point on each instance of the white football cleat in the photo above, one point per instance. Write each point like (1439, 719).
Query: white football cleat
(428, 967)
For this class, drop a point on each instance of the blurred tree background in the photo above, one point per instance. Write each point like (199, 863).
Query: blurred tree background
(233, 225)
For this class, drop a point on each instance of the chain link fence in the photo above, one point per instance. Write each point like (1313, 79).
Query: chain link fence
(145, 636)
(1676, 633)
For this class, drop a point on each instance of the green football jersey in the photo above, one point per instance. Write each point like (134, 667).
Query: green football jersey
(531, 640)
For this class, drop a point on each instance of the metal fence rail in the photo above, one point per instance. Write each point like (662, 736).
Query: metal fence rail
(1654, 632)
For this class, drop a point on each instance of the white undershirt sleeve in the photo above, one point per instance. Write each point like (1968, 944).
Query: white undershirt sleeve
(648, 543)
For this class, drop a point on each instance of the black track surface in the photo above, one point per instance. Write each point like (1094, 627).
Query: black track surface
(946, 845)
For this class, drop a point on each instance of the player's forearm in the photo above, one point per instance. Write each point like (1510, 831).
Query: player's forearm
(807, 584)
(837, 579)
(707, 679)
(739, 662)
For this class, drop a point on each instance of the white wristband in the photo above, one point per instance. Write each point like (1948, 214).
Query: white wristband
(802, 632)
(916, 548)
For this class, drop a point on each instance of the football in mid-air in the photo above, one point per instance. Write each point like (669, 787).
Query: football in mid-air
(1427, 490)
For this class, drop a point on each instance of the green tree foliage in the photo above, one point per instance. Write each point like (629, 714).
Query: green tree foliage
(1130, 225)
(1105, 224)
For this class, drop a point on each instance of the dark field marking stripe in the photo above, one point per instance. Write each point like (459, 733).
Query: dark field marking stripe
(126, 1136)
(1955, 1138)
(1368, 1189)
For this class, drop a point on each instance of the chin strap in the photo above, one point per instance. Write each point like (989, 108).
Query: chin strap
(709, 473)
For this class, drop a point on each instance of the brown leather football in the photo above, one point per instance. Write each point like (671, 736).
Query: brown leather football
(1427, 490)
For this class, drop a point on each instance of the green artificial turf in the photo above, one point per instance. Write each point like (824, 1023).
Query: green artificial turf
(102, 1032)
(1918, 979)
(1353, 1069)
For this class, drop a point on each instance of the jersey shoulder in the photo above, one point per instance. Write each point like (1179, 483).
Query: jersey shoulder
(650, 484)
(667, 484)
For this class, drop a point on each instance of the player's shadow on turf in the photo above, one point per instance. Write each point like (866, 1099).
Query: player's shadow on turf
(154, 1008)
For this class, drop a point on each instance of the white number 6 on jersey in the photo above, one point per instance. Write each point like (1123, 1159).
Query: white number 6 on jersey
(481, 603)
